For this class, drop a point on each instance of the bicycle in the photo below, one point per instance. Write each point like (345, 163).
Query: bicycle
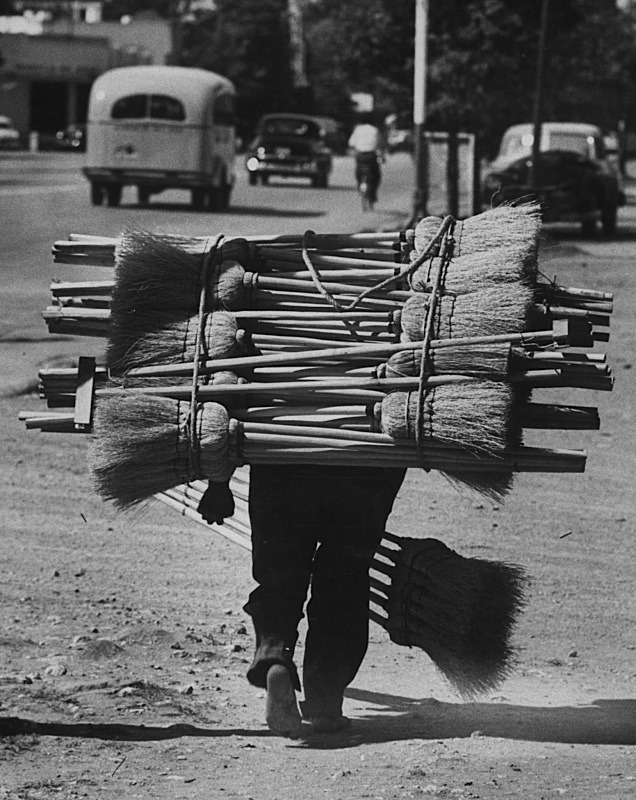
(368, 179)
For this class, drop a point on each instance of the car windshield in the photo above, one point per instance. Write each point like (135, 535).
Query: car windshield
(288, 126)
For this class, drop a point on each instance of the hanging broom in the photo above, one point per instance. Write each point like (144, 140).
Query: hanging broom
(460, 611)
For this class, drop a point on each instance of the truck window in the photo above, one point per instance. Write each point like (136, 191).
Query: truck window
(162, 106)
(131, 107)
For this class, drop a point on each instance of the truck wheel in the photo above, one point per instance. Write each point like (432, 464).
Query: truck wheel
(198, 199)
(608, 219)
(143, 195)
(588, 227)
(113, 194)
(97, 194)
(253, 179)
(264, 179)
(219, 196)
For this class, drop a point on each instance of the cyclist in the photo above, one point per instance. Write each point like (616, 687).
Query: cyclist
(367, 143)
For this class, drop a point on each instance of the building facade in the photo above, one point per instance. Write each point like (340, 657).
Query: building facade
(46, 76)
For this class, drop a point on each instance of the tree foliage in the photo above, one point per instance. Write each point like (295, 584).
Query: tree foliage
(481, 65)
(482, 59)
(248, 42)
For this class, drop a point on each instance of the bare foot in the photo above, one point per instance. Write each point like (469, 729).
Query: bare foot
(329, 724)
(281, 709)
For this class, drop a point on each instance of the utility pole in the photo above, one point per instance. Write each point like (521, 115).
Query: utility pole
(535, 169)
(298, 56)
(420, 196)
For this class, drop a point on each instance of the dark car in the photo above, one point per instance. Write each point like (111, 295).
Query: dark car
(71, 138)
(577, 183)
(292, 145)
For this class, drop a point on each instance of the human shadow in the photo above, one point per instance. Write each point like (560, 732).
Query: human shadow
(17, 726)
(608, 722)
(400, 718)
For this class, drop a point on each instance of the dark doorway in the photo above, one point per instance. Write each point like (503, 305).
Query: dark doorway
(48, 106)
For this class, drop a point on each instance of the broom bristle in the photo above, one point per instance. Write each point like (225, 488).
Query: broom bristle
(474, 272)
(152, 272)
(141, 339)
(461, 611)
(499, 310)
(487, 359)
(504, 226)
(473, 416)
(140, 446)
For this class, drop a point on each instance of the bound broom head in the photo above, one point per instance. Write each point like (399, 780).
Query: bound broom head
(474, 416)
(486, 360)
(460, 610)
(504, 226)
(499, 310)
(476, 271)
(153, 272)
(142, 339)
(141, 445)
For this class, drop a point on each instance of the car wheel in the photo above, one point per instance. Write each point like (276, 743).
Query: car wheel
(253, 179)
(264, 179)
(321, 180)
(588, 227)
(608, 219)
(113, 194)
(143, 195)
(97, 194)
(198, 198)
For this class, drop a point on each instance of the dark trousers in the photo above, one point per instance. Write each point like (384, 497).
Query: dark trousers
(317, 526)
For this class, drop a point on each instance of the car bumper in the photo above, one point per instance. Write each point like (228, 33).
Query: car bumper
(302, 169)
(151, 179)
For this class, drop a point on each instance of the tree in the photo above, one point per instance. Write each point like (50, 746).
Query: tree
(248, 42)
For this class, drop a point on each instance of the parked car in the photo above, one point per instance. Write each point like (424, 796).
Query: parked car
(578, 182)
(291, 145)
(71, 138)
(9, 135)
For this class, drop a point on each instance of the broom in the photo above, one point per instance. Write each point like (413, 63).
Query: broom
(459, 610)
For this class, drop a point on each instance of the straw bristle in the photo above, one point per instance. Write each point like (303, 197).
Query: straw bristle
(504, 226)
(138, 340)
(461, 611)
(486, 359)
(499, 310)
(152, 272)
(473, 416)
(473, 272)
(141, 446)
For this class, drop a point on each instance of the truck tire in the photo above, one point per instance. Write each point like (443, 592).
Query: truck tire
(97, 193)
(113, 194)
(219, 196)
(198, 198)
(253, 179)
(608, 218)
(143, 195)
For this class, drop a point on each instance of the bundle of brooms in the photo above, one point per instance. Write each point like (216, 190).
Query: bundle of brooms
(259, 417)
